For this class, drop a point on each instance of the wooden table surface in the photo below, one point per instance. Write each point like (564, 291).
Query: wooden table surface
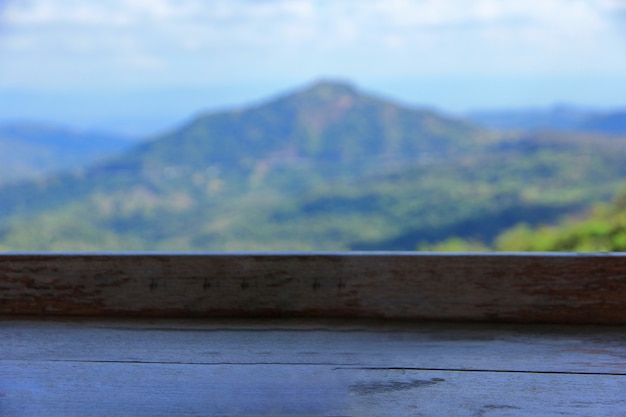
(223, 367)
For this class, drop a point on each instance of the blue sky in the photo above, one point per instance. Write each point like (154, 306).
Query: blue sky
(142, 65)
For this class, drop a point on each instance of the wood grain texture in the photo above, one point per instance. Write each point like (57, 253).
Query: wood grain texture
(110, 368)
(537, 288)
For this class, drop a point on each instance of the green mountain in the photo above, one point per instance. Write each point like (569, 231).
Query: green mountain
(324, 131)
(326, 167)
(328, 123)
(29, 150)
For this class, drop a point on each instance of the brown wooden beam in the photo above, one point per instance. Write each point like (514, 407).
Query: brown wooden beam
(529, 288)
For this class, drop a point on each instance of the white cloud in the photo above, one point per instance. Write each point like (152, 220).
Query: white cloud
(170, 41)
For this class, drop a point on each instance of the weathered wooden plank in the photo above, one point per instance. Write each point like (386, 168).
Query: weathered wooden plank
(434, 346)
(110, 390)
(554, 288)
(225, 368)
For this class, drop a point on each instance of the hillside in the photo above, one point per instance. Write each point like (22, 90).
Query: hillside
(325, 167)
(601, 228)
(29, 150)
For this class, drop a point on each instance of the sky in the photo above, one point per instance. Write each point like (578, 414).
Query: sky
(138, 66)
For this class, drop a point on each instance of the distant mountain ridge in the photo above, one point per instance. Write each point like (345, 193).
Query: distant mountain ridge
(30, 149)
(558, 118)
(323, 167)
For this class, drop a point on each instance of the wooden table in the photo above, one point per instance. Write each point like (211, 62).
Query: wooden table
(66, 367)
(217, 335)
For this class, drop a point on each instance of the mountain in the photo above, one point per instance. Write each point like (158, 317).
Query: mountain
(323, 130)
(559, 118)
(609, 122)
(29, 150)
(327, 122)
(324, 167)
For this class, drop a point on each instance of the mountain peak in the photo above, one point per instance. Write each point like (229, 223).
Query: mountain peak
(321, 99)
(331, 88)
(326, 121)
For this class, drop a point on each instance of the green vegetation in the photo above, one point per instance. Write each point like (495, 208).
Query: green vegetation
(325, 168)
(601, 229)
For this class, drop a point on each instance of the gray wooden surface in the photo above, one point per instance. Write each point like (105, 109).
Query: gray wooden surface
(224, 367)
(549, 288)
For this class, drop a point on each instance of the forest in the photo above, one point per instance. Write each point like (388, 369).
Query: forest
(328, 167)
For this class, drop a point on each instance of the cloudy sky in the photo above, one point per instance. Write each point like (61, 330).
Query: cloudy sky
(144, 64)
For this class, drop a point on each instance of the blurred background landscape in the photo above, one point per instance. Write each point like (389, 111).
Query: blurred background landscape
(434, 125)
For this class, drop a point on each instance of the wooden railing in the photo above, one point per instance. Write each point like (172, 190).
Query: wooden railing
(528, 288)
